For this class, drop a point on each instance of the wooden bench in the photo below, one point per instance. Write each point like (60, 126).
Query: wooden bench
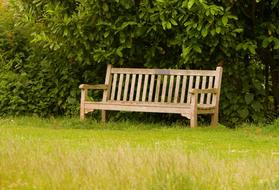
(185, 92)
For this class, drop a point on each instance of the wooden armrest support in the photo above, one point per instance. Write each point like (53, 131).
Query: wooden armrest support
(94, 87)
(198, 91)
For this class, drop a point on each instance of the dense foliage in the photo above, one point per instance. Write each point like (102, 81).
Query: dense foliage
(49, 47)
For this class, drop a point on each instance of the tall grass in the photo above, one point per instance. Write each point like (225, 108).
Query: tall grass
(57, 158)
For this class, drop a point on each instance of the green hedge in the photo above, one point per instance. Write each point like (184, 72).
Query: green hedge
(49, 47)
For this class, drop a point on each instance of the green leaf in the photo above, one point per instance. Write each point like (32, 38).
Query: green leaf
(257, 106)
(125, 24)
(199, 27)
(212, 11)
(249, 98)
(164, 25)
(276, 41)
(225, 20)
(119, 52)
(204, 32)
(266, 42)
(274, 3)
(66, 31)
(239, 46)
(122, 37)
(238, 30)
(197, 48)
(218, 30)
(173, 22)
(105, 7)
(213, 32)
(106, 34)
(243, 113)
(232, 17)
(168, 25)
(191, 3)
(186, 51)
(187, 23)
(252, 50)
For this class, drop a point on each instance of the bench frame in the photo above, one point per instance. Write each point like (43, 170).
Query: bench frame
(190, 110)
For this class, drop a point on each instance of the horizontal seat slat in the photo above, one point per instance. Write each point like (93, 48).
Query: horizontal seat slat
(155, 108)
(159, 104)
(163, 71)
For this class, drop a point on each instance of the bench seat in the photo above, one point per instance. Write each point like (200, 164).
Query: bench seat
(185, 92)
(144, 107)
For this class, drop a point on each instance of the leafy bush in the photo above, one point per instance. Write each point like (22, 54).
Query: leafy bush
(72, 41)
(29, 81)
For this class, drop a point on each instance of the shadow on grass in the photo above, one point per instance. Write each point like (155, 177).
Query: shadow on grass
(92, 123)
(115, 123)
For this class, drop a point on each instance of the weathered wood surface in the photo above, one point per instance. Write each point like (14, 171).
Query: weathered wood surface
(163, 71)
(93, 87)
(186, 92)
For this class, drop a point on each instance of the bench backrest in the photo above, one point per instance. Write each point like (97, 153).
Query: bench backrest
(161, 85)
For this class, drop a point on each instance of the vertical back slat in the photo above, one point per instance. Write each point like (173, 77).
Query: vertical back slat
(120, 84)
(113, 87)
(177, 85)
(163, 95)
(210, 85)
(158, 85)
(189, 89)
(170, 89)
(126, 87)
(197, 83)
(108, 80)
(131, 98)
(151, 88)
(146, 77)
(183, 89)
(203, 87)
(139, 87)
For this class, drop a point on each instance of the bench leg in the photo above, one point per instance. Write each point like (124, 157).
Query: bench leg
(82, 106)
(104, 115)
(82, 113)
(214, 120)
(194, 121)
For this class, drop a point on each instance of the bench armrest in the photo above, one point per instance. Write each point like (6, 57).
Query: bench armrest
(199, 91)
(93, 87)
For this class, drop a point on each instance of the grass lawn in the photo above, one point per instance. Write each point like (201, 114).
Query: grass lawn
(67, 154)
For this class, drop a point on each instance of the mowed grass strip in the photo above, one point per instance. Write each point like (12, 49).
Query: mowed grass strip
(52, 154)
